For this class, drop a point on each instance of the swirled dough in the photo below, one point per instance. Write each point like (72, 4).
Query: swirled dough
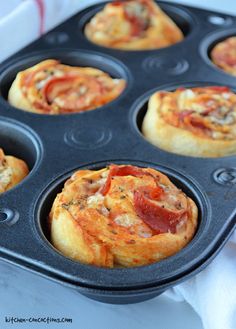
(12, 171)
(53, 88)
(223, 55)
(121, 215)
(197, 121)
(133, 25)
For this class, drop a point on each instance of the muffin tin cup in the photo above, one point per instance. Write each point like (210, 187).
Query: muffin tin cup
(56, 146)
(122, 277)
(209, 42)
(21, 141)
(139, 108)
(182, 17)
(73, 57)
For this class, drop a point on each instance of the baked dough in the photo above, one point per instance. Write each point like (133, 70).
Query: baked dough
(121, 215)
(223, 55)
(53, 88)
(197, 121)
(12, 171)
(133, 25)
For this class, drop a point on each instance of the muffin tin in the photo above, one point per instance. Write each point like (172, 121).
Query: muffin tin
(55, 146)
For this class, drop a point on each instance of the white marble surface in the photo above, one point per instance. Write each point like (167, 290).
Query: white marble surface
(24, 295)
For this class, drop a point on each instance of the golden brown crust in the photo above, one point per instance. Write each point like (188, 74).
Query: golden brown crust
(12, 171)
(103, 225)
(133, 25)
(53, 88)
(223, 55)
(197, 122)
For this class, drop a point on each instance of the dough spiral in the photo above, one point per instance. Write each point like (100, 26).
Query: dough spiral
(133, 25)
(50, 87)
(121, 215)
(12, 171)
(197, 121)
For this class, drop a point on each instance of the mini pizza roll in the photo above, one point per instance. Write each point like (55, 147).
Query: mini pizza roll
(121, 215)
(223, 55)
(197, 121)
(133, 25)
(12, 171)
(53, 88)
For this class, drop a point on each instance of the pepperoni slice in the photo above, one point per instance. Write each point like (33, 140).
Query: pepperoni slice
(221, 89)
(138, 22)
(72, 92)
(117, 3)
(181, 89)
(137, 25)
(182, 115)
(28, 79)
(198, 123)
(230, 60)
(121, 171)
(153, 193)
(158, 218)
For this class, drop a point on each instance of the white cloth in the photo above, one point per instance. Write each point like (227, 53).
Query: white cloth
(22, 21)
(212, 293)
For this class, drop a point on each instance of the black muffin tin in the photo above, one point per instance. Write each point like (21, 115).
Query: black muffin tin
(55, 146)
